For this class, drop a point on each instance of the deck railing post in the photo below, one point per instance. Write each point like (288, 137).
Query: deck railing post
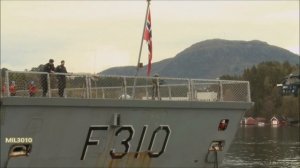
(170, 93)
(7, 82)
(49, 85)
(87, 87)
(124, 87)
(90, 86)
(248, 92)
(146, 89)
(158, 88)
(191, 89)
(96, 89)
(221, 91)
(103, 93)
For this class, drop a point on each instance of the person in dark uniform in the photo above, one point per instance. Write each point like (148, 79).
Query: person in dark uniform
(49, 68)
(61, 78)
(155, 85)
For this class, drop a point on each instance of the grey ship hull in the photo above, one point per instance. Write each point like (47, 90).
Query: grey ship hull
(116, 133)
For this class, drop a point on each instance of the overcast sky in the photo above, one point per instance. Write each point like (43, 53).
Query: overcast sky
(92, 36)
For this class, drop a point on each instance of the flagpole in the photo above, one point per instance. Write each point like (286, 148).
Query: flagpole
(141, 46)
(140, 52)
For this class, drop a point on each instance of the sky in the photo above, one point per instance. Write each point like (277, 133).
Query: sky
(92, 36)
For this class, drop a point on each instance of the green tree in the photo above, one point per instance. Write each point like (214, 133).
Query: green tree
(264, 93)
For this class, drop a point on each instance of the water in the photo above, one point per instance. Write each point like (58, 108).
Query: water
(258, 147)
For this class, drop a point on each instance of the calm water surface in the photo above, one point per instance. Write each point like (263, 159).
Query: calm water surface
(258, 147)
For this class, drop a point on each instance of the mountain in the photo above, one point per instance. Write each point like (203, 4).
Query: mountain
(213, 58)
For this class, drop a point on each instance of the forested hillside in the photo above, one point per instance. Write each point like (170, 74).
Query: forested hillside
(264, 93)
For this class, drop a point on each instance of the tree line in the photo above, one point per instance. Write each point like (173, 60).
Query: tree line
(267, 97)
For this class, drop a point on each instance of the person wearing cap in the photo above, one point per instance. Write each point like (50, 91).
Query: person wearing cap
(61, 78)
(49, 68)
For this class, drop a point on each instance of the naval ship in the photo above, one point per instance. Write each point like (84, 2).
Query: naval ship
(119, 121)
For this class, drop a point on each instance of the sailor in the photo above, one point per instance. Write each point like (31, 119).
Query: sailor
(61, 78)
(32, 89)
(3, 88)
(12, 88)
(49, 68)
(155, 85)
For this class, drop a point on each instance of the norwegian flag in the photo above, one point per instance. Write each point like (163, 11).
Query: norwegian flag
(148, 38)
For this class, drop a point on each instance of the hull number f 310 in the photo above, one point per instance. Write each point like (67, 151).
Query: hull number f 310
(126, 143)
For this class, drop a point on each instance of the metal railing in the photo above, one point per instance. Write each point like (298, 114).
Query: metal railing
(87, 86)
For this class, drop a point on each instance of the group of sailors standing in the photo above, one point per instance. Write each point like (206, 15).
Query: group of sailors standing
(61, 81)
(49, 68)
